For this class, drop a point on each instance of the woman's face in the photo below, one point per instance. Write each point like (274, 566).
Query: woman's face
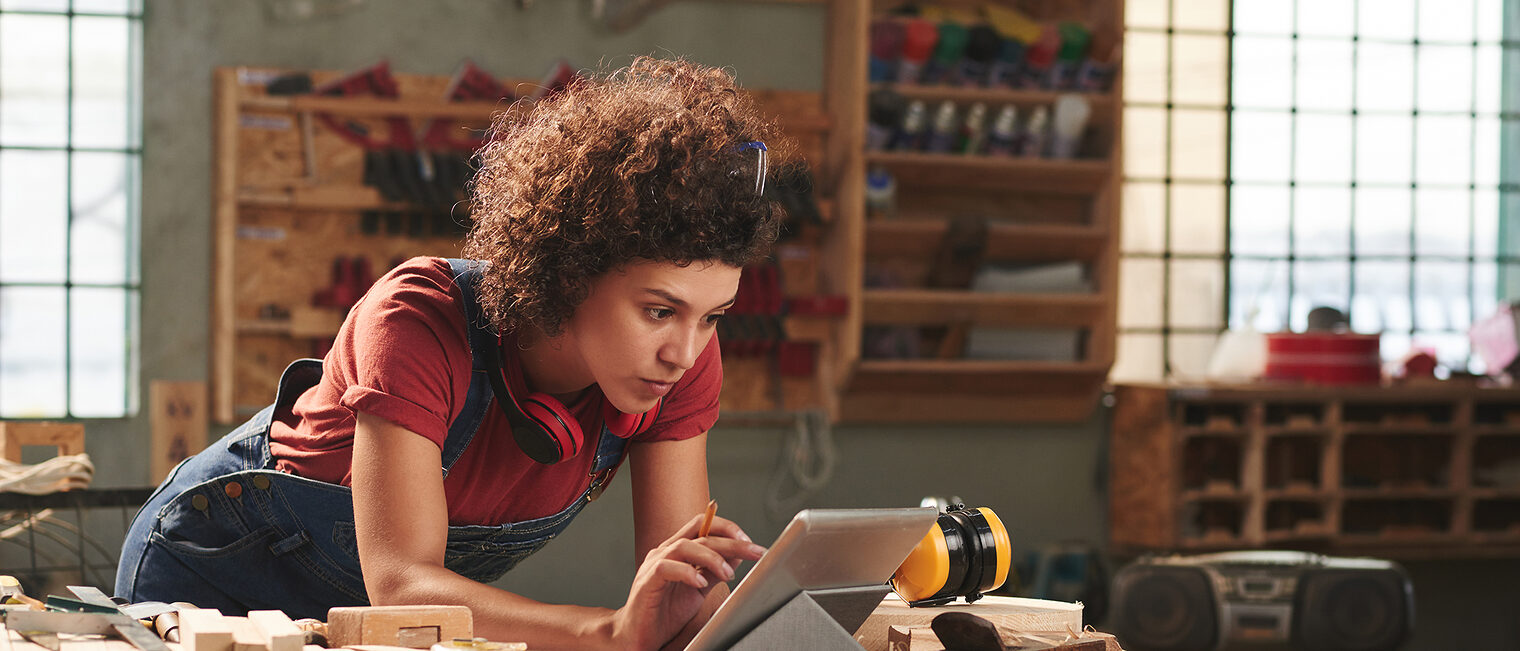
(644, 325)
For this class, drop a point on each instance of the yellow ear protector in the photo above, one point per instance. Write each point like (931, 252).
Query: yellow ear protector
(966, 553)
(544, 429)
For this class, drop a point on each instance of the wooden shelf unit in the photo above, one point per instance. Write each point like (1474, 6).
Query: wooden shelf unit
(1038, 211)
(1404, 471)
(288, 199)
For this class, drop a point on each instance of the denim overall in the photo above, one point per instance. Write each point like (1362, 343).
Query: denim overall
(227, 531)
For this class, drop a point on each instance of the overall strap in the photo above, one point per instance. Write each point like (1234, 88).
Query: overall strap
(483, 341)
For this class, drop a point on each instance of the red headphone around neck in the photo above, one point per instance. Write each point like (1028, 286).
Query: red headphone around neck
(544, 428)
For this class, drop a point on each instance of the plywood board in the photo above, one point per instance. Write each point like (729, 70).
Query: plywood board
(178, 420)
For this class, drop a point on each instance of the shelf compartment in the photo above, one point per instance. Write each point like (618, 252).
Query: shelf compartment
(923, 238)
(1293, 518)
(1396, 461)
(1501, 414)
(304, 197)
(1294, 462)
(1295, 416)
(1397, 518)
(990, 309)
(1212, 416)
(1212, 463)
(1497, 516)
(994, 96)
(1212, 521)
(934, 376)
(1496, 462)
(1386, 415)
(1078, 176)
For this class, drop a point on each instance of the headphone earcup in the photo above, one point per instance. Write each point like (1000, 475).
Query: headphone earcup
(627, 425)
(555, 435)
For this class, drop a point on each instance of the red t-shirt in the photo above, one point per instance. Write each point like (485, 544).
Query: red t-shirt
(402, 355)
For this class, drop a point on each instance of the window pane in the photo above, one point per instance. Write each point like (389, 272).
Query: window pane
(31, 352)
(1198, 219)
(1489, 78)
(100, 218)
(1317, 284)
(1390, 20)
(1446, 20)
(1324, 74)
(1440, 296)
(1322, 147)
(1382, 297)
(1485, 224)
(1145, 67)
(1486, 152)
(1509, 134)
(1321, 221)
(117, 7)
(1197, 294)
(1144, 220)
(1442, 222)
(1258, 294)
(34, 77)
(1147, 13)
(1445, 77)
(1259, 145)
(1443, 150)
(1140, 289)
(1137, 359)
(1383, 79)
(59, 6)
(1202, 14)
(1384, 148)
(1262, 75)
(1490, 20)
(1326, 17)
(1145, 142)
(1485, 289)
(1199, 69)
(1259, 220)
(1190, 354)
(1263, 16)
(33, 215)
(1383, 221)
(102, 79)
(1198, 145)
(98, 359)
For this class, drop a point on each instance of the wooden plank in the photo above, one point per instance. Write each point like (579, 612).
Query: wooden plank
(65, 438)
(845, 92)
(276, 630)
(205, 629)
(1040, 175)
(397, 625)
(1143, 471)
(1008, 614)
(178, 420)
(1006, 242)
(976, 377)
(938, 409)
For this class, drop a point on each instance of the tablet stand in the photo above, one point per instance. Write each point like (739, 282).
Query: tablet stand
(818, 620)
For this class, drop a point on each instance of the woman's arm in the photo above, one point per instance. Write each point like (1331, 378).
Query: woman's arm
(401, 520)
(669, 485)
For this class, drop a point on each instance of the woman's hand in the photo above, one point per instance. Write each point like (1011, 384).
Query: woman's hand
(674, 579)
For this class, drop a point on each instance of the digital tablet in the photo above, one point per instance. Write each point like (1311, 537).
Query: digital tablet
(819, 549)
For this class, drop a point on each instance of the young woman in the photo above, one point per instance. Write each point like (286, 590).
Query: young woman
(469, 409)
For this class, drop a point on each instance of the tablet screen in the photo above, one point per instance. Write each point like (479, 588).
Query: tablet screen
(819, 549)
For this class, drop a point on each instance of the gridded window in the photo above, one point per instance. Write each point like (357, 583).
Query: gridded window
(1282, 156)
(70, 156)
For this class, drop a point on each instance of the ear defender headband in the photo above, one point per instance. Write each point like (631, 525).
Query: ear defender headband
(544, 429)
(966, 553)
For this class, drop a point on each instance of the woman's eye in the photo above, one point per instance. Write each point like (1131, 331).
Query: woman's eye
(714, 318)
(659, 313)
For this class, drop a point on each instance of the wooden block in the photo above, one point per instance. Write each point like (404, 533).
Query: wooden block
(1008, 614)
(276, 630)
(68, 438)
(417, 627)
(922, 638)
(178, 420)
(244, 636)
(204, 629)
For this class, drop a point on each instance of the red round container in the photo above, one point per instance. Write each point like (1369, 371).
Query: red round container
(1324, 357)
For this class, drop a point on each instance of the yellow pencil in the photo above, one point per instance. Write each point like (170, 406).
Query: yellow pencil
(712, 509)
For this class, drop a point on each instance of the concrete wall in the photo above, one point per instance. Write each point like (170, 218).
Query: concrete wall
(1044, 481)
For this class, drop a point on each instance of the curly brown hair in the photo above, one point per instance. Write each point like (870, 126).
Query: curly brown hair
(645, 163)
